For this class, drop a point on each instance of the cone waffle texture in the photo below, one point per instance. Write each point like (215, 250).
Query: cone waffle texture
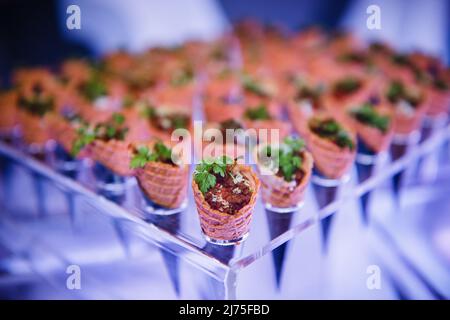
(113, 154)
(373, 138)
(332, 161)
(258, 125)
(33, 129)
(8, 112)
(163, 184)
(279, 193)
(217, 111)
(61, 131)
(439, 102)
(405, 124)
(222, 226)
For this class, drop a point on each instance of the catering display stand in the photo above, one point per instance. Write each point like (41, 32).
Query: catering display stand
(178, 236)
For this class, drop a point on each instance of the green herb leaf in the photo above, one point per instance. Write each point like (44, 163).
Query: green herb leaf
(205, 172)
(346, 86)
(331, 130)
(258, 113)
(368, 115)
(251, 85)
(160, 153)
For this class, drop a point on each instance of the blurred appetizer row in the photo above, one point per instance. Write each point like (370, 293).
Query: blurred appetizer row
(289, 101)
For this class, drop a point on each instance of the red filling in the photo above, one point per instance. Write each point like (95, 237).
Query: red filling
(227, 196)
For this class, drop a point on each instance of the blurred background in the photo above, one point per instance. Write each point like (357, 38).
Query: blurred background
(35, 32)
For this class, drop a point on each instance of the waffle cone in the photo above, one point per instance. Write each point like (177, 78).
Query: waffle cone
(9, 112)
(439, 102)
(279, 193)
(208, 150)
(373, 138)
(33, 129)
(258, 125)
(221, 226)
(164, 184)
(216, 111)
(113, 154)
(405, 124)
(63, 133)
(332, 161)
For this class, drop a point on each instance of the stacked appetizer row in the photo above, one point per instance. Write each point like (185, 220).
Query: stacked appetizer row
(128, 111)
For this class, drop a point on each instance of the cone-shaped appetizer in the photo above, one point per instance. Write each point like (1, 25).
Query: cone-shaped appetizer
(161, 177)
(285, 171)
(332, 145)
(373, 125)
(64, 129)
(224, 138)
(409, 103)
(333, 148)
(106, 142)
(36, 96)
(263, 122)
(164, 119)
(221, 109)
(8, 103)
(260, 91)
(222, 98)
(306, 101)
(225, 194)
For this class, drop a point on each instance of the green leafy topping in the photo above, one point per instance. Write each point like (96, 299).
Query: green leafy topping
(294, 144)
(182, 76)
(128, 101)
(205, 172)
(368, 115)
(112, 129)
(286, 158)
(253, 86)
(230, 124)
(258, 113)
(85, 136)
(440, 84)
(169, 121)
(38, 105)
(94, 88)
(330, 129)
(397, 92)
(355, 57)
(378, 47)
(346, 86)
(159, 153)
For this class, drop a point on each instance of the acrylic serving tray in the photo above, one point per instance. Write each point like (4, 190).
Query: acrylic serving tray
(50, 194)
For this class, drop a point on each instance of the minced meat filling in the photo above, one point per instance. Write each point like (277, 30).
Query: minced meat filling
(230, 194)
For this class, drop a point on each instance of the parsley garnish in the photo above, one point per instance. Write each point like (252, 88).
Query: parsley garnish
(38, 105)
(258, 113)
(367, 114)
(160, 153)
(113, 129)
(397, 91)
(346, 86)
(94, 88)
(287, 157)
(251, 85)
(205, 172)
(331, 130)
